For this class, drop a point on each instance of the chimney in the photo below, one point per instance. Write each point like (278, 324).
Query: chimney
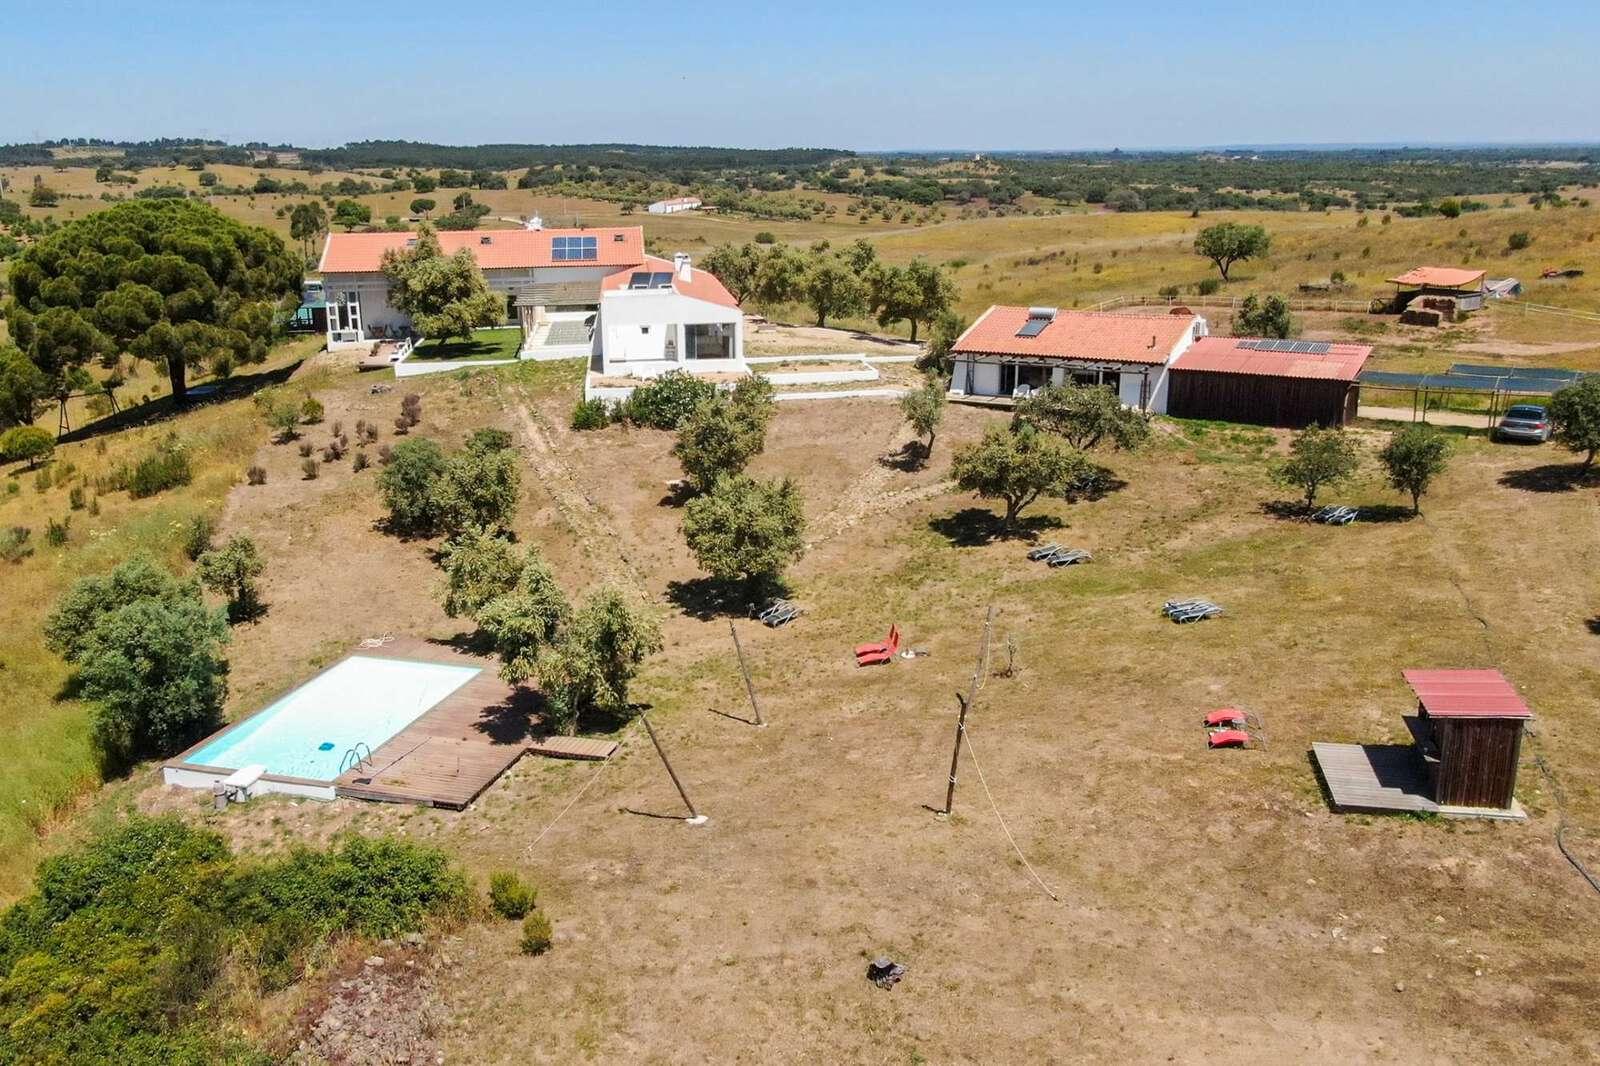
(534, 223)
(680, 263)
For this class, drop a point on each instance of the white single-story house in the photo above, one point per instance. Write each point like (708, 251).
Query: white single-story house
(1010, 351)
(674, 205)
(574, 292)
(667, 315)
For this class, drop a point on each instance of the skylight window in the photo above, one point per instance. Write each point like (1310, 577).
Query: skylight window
(574, 249)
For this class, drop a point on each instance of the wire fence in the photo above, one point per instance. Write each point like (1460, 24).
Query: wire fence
(1231, 303)
(1547, 309)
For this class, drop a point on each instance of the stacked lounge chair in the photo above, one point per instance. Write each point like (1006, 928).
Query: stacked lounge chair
(1190, 610)
(1336, 516)
(1055, 555)
(777, 613)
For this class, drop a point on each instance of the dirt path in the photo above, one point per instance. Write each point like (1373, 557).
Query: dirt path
(1436, 418)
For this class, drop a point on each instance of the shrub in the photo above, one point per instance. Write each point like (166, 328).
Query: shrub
(766, 237)
(402, 426)
(478, 487)
(360, 462)
(26, 443)
(411, 408)
(311, 410)
(408, 483)
(509, 895)
(337, 429)
(75, 498)
(590, 414)
(385, 455)
(536, 934)
(197, 536)
(14, 546)
(1208, 286)
(1519, 240)
(306, 448)
(308, 467)
(1169, 292)
(667, 402)
(165, 468)
(231, 571)
(369, 434)
(746, 529)
(55, 533)
(256, 475)
(42, 481)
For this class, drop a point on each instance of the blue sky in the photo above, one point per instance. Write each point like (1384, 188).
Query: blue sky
(863, 75)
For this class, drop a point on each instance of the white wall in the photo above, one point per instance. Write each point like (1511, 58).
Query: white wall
(633, 328)
(373, 288)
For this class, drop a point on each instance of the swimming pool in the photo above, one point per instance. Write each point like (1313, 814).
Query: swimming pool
(363, 699)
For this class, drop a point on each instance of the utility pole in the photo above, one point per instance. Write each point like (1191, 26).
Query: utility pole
(749, 686)
(966, 705)
(695, 817)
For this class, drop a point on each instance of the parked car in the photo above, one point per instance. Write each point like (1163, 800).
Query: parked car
(1524, 421)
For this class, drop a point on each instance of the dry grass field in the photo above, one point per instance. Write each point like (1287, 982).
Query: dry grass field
(1210, 906)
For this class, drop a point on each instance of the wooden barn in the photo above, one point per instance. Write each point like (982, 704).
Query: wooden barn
(1267, 382)
(1468, 731)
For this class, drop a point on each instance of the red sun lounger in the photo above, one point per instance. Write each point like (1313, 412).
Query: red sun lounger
(1228, 716)
(880, 645)
(877, 654)
(1228, 738)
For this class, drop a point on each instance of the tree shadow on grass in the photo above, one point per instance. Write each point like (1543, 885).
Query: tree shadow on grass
(1552, 477)
(973, 527)
(1372, 513)
(710, 598)
(157, 410)
(1593, 625)
(908, 459)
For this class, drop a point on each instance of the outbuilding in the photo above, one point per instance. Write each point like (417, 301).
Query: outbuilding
(1267, 382)
(1462, 286)
(1468, 731)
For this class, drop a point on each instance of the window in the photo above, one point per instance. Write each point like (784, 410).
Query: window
(574, 249)
(709, 340)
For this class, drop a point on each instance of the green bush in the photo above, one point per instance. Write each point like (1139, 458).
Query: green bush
(1208, 286)
(1519, 240)
(197, 536)
(118, 954)
(590, 414)
(667, 402)
(14, 546)
(29, 443)
(311, 410)
(510, 895)
(55, 533)
(165, 468)
(407, 483)
(536, 935)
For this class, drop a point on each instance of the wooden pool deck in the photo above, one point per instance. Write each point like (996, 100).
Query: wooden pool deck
(1388, 779)
(460, 746)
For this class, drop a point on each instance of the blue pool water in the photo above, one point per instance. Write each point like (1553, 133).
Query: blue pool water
(308, 732)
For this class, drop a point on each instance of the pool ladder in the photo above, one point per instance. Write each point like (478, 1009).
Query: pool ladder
(353, 759)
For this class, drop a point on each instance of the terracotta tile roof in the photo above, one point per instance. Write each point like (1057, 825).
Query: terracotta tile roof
(1466, 694)
(702, 284)
(1223, 355)
(494, 249)
(1441, 277)
(1083, 335)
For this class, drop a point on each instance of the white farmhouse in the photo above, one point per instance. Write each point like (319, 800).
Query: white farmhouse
(674, 205)
(1010, 351)
(664, 316)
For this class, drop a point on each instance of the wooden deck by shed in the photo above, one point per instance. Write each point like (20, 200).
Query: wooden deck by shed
(1388, 779)
(461, 745)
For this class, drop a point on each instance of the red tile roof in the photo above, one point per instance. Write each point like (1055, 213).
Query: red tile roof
(702, 284)
(1441, 278)
(1090, 336)
(515, 249)
(1222, 355)
(1466, 694)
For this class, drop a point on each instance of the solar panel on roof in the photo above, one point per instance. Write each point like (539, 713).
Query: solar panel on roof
(639, 281)
(570, 249)
(1287, 347)
(1033, 327)
(661, 280)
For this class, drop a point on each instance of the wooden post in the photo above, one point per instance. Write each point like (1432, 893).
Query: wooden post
(966, 705)
(695, 817)
(749, 686)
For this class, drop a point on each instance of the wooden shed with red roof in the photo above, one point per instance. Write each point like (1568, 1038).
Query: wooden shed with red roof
(1288, 383)
(1468, 731)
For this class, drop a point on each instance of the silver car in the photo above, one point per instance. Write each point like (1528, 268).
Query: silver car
(1524, 421)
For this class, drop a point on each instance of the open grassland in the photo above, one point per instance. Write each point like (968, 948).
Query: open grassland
(1180, 872)
(49, 761)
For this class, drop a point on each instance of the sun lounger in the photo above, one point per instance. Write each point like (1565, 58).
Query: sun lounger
(1069, 557)
(877, 654)
(1043, 551)
(1336, 516)
(1196, 613)
(1227, 716)
(780, 616)
(1228, 738)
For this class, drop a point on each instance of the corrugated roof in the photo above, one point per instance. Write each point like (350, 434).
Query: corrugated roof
(1089, 336)
(1466, 694)
(514, 249)
(702, 284)
(1222, 355)
(1441, 277)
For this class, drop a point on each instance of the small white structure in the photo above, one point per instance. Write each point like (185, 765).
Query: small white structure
(1010, 351)
(674, 205)
(667, 316)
